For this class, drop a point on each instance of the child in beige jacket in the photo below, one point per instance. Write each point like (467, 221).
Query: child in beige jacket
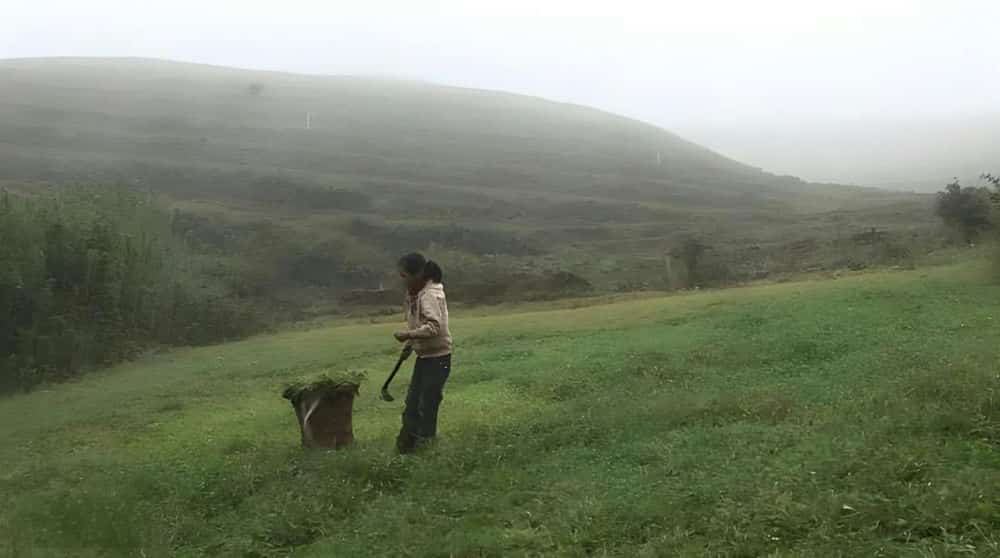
(427, 333)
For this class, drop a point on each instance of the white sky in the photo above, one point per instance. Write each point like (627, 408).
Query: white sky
(719, 72)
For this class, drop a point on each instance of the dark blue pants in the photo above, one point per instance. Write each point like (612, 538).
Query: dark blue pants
(422, 401)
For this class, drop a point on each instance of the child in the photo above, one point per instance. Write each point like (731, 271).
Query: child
(427, 333)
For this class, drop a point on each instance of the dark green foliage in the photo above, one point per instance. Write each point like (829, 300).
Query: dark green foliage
(264, 260)
(690, 253)
(205, 233)
(91, 276)
(965, 209)
(992, 179)
(317, 265)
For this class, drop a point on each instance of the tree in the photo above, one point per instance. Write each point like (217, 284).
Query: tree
(994, 180)
(965, 209)
(689, 253)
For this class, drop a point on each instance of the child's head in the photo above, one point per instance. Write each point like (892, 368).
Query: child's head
(416, 271)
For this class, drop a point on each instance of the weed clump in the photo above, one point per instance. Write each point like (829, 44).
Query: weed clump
(323, 383)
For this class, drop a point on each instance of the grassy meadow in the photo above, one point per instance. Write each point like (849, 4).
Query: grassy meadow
(850, 416)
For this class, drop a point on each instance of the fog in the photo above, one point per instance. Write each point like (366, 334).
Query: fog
(888, 92)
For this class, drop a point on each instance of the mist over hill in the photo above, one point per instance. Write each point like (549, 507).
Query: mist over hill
(919, 153)
(132, 118)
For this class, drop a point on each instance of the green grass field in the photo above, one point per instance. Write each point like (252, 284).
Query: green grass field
(856, 416)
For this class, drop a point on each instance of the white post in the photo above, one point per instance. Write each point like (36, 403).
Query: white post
(308, 121)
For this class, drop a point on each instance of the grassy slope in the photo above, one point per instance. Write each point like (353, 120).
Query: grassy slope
(192, 130)
(849, 417)
(147, 109)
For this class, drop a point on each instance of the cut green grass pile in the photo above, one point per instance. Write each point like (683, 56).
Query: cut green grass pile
(849, 417)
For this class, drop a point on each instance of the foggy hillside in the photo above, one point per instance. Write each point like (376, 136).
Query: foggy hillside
(298, 189)
(190, 129)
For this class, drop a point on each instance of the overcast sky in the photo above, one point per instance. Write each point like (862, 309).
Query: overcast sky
(783, 84)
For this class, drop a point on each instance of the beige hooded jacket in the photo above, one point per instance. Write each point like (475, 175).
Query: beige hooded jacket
(427, 320)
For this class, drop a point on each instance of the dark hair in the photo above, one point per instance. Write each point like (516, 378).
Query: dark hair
(415, 264)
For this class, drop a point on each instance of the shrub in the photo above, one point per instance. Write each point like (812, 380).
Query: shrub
(965, 209)
(90, 276)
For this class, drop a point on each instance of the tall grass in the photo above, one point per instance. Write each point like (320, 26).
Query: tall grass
(849, 417)
(91, 276)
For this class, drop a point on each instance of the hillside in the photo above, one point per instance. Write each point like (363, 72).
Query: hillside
(133, 119)
(801, 419)
(365, 168)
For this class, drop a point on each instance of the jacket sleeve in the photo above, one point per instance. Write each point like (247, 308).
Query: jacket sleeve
(429, 318)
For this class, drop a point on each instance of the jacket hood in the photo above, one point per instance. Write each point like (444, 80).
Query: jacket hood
(433, 288)
(430, 288)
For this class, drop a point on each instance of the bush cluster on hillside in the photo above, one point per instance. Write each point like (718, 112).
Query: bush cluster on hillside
(90, 276)
(965, 209)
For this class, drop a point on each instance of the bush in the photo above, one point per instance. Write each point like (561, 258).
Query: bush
(91, 276)
(967, 210)
(689, 253)
(994, 181)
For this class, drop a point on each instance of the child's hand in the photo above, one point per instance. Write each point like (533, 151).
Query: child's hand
(402, 336)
